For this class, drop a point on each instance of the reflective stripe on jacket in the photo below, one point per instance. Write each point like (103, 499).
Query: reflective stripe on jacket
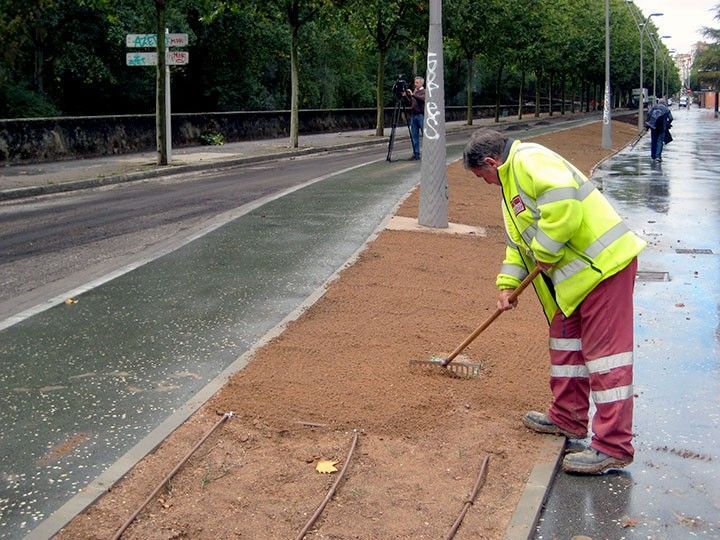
(555, 215)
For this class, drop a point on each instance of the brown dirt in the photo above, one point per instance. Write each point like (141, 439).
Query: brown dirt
(344, 364)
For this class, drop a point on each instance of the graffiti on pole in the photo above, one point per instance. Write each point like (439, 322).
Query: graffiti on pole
(606, 108)
(431, 107)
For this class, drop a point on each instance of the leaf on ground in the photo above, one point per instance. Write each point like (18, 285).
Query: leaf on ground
(71, 301)
(628, 522)
(326, 466)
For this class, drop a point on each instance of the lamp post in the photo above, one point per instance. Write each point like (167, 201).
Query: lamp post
(666, 77)
(433, 208)
(656, 46)
(642, 26)
(607, 128)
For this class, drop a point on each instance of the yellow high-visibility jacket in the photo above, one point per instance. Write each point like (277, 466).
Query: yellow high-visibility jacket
(555, 215)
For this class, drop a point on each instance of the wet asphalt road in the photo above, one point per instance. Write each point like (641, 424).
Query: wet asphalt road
(672, 490)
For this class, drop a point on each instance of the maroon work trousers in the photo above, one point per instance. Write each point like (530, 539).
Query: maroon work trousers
(591, 353)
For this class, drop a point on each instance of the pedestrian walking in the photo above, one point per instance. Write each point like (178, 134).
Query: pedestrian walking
(557, 220)
(417, 114)
(659, 120)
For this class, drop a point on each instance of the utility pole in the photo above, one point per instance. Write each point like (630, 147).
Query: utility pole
(433, 210)
(607, 127)
(162, 119)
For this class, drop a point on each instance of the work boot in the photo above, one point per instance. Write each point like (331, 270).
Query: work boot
(574, 445)
(540, 422)
(592, 461)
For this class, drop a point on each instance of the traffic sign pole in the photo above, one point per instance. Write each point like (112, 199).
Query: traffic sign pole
(168, 116)
(162, 58)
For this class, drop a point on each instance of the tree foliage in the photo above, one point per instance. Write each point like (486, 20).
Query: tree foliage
(68, 56)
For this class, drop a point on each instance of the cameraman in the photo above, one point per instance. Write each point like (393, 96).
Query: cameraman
(417, 114)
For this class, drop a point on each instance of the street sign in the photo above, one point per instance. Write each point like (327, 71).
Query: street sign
(173, 58)
(150, 40)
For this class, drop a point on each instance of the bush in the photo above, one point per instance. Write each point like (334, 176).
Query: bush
(17, 101)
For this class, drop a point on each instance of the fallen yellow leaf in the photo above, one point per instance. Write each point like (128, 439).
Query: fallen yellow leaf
(71, 301)
(326, 466)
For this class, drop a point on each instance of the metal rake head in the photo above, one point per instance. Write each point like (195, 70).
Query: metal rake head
(462, 370)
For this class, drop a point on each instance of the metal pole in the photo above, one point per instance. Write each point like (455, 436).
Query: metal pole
(641, 97)
(607, 128)
(433, 211)
(160, 86)
(168, 117)
(654, 74)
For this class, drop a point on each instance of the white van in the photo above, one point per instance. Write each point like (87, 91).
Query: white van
(683, 101)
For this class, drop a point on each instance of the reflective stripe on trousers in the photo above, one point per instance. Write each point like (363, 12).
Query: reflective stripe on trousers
(591, 353)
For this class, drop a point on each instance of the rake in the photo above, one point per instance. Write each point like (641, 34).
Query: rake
(468, 370)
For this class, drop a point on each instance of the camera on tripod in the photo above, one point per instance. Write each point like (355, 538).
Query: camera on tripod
(402, 100)
(400, 87)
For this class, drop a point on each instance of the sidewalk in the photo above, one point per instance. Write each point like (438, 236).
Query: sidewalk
(27, 180)
(672, 489)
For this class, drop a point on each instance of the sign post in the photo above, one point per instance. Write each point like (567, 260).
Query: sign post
(171, 58)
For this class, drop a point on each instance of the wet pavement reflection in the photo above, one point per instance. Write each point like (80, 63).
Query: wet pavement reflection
(672, 490)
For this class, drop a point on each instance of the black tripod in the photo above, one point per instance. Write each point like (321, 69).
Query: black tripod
(399, 111)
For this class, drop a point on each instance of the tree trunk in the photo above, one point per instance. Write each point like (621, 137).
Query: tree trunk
(550, 93)
(562, 94)
(39, 55)
(538, 77)
(520, 94)
(498, 82)
(380, 95)
(469, 90)
(415, 61)
(294, 84)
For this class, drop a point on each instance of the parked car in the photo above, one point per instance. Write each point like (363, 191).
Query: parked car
(683, 101)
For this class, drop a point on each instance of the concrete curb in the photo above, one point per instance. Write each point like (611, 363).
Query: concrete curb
(537, 488)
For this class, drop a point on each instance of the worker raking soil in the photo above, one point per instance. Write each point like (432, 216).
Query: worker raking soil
(558, 221)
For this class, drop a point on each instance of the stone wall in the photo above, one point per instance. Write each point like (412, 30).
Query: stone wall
(55, 139)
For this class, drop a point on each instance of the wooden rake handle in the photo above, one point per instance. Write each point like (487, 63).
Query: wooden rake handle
(479, 330)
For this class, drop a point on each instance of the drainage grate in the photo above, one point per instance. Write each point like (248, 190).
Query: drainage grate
(695, 251)
(653, 276)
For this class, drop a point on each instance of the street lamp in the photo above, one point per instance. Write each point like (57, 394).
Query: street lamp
(607, 128)
(666, 75)
(642, 26)
(656, 46)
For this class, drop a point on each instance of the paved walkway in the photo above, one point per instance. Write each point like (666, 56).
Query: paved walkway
(672, 490)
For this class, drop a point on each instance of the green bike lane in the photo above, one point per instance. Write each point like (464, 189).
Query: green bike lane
(82, 384)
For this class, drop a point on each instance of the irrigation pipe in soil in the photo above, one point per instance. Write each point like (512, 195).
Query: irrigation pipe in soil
(478, 484)
(172, 473)
(330, 493)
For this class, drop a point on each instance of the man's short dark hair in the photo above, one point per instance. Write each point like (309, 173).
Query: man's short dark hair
(483, 143)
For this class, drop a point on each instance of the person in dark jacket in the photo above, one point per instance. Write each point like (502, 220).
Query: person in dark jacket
(659, 120)
(417, 114)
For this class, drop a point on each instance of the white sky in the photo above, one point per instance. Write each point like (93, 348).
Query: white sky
(682, 19)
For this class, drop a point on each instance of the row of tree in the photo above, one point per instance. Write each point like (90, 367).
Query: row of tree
(68, 56)
(705, 73)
